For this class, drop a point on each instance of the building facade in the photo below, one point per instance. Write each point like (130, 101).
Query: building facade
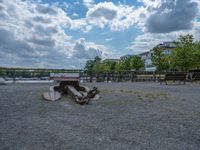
(125, 57)
(167, 48)
(111, 60)
(146, 57)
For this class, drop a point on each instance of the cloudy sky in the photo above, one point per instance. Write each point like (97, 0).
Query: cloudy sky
(66, 33)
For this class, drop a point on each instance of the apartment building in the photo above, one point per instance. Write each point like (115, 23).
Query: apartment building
(167, 48)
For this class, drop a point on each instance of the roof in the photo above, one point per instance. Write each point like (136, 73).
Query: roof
(144, 53)
(110, 59)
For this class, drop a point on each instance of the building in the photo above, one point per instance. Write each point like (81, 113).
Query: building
(146, 57)
(111, 60)
(167, 48)
(125, 57)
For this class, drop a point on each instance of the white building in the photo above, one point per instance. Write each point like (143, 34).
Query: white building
(146, 56)
(111, 60)
(167, 47)
(125, 57)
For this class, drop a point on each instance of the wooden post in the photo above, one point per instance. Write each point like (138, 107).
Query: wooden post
(131, 76)
(154, 76)
(117, 76)
(14, 76)
(107, 77)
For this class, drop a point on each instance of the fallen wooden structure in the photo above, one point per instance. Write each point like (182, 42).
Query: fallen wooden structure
(69, 84)
(174, 77)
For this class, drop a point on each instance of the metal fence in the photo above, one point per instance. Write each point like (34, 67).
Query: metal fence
(114, 76)
(122, 76)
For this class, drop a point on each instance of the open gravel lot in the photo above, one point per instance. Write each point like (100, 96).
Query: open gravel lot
(134, 116)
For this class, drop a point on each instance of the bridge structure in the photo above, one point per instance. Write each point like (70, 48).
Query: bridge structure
(33, 72)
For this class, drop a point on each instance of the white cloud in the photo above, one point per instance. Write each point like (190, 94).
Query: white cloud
(88, 3)
(166, 20)
(151, 3)
(88, 50)
(116, 17)
(33, 35)
(198, 2)
(147, 41)
(107, 14)
(108, 39)
(76, 3)
(169, 16)
(161, 16)
(81, 24)
(75, 15)
(32, 32)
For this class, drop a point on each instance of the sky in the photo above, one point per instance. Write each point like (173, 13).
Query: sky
(67, 33)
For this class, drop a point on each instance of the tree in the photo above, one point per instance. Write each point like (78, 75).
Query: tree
(119, 66)
(93, 66)
(186, 39)
(159, 59)
(196, 51)
(183, 55)
(107, 66)
(1, 72)
(89, 67)
(123, 65)
(97, 59)
(96, 67)
(136, 63)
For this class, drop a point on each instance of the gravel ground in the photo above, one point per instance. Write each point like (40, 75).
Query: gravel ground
(133, 116)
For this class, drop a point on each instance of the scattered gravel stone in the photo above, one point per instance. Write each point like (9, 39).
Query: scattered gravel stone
(127, 116)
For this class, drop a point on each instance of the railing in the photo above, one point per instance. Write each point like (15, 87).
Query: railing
(123, 76)
(114, 76)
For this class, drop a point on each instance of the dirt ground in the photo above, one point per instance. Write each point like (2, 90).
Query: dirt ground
(133, 116)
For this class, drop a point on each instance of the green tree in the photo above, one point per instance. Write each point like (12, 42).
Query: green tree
(159, 59)
(1, 72)
(107, 66)
(89, 67)
(97, 63)
(183, 56)
(119, 66)
(93, 66)
(186, 39)
(196, 51)
(136, 62)
(111, 65)
(125, 64)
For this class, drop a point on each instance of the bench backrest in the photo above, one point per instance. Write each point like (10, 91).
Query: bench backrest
(64, 76)
(175, 76)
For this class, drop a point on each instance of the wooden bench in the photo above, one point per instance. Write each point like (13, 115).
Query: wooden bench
(144, 77)
(176, 76)
(149, 77)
